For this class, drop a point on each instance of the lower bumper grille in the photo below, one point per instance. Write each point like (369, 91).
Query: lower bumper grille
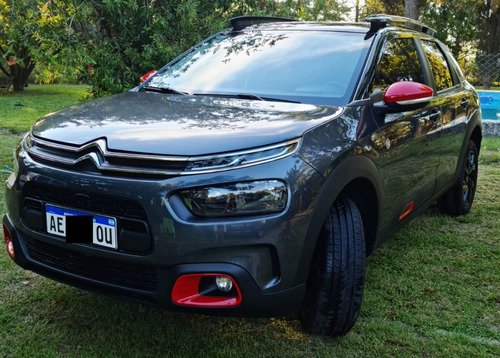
(95, 268)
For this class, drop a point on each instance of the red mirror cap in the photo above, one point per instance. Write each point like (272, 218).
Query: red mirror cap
(145, 77)
(407, 92)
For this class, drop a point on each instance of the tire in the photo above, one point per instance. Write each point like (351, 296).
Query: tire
(336, 278)
(458, 200)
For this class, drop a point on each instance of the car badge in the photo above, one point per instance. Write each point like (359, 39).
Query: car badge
(93, 157)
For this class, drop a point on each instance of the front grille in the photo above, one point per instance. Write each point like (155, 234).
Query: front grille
(108, 206)
(95, 268)
(95, 157)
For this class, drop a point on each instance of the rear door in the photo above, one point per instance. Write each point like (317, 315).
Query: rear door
(456, 102)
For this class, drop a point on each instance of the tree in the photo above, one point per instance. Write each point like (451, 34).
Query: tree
(411, 9)
(488, 59)
(391, 7)
(32, 31)
(489, 26)
(457, 22)
(408, 8)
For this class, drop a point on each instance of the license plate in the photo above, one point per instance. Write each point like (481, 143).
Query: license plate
(101, 228)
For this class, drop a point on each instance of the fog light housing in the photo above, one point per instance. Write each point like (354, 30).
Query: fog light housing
(206, 290)
(224, 283)
(9, 245)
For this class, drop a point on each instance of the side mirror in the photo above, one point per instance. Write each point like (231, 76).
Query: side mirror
(402, 96)
(146, 76)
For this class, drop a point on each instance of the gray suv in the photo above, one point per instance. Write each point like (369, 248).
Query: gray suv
(253, 174)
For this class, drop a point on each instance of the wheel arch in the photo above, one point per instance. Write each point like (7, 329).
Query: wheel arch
(474, 133)
(363, 193)
(477, 136)
(358, 179)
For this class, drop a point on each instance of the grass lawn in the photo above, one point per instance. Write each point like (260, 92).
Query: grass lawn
(431, 291)
(18, 111)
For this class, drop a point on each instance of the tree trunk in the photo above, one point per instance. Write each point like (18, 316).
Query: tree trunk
(18, 84)
(411, 9)
(21, 75)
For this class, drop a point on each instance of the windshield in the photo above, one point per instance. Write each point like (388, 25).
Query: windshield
(307, 66)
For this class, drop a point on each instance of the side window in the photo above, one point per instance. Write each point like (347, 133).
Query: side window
(399, 62)
(439, 65)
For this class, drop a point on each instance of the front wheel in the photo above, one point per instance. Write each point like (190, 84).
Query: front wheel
(336, 278)
(458, 200)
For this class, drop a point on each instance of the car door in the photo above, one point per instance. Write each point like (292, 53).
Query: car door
(456, 104)
(408, 140)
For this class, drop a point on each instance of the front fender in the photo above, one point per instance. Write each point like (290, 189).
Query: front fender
(343, 180)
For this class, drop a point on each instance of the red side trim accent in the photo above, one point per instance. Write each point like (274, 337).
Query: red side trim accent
(406, 210)
(185, 292)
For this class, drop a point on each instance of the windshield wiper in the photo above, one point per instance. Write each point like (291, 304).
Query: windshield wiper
(248, 96)
(164, 90)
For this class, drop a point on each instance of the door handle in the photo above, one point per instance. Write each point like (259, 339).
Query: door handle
(464, 103)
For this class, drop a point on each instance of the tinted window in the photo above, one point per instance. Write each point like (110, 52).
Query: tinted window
(399, 62)
(308, 66)
(439, 65)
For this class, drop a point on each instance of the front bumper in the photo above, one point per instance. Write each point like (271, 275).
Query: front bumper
(263, 254)
(148, 285)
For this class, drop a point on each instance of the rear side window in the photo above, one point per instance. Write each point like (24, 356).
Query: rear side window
(399, 62)
(439, 65)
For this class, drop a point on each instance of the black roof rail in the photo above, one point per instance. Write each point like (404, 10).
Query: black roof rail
(379, 21)
(239, 23)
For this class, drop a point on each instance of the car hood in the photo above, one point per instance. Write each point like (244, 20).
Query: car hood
(146, 122)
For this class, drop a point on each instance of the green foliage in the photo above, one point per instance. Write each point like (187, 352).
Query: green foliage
(125, 39)
(391, 7)
(54, 72)
(456, 21)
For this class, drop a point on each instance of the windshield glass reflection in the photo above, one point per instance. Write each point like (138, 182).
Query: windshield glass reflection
(308, 67)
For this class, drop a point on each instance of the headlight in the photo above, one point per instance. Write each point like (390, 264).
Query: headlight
(241, 159)
(20, 152)
(15, 163)
(248, 198)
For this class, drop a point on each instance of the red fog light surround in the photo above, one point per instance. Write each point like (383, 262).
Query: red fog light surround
(186, 292)
(8, 242)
